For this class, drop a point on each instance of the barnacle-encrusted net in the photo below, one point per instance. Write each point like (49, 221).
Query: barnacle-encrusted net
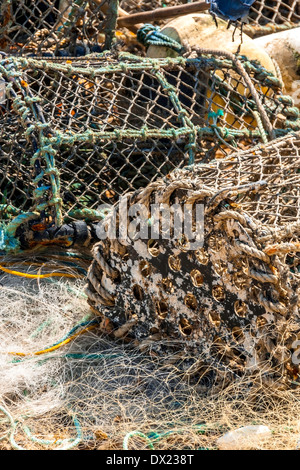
(232, 301)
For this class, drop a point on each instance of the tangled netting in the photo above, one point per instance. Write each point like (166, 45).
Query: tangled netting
(233, 302)
(79, 27)
(76, 135)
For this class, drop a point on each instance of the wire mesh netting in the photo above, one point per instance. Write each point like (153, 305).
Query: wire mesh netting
(56, 27)
(80, 134)
(94, 391)
(233, 301)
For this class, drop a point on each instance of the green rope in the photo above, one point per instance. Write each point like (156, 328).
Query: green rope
(66, 444)
(262, 30)
(88, 214)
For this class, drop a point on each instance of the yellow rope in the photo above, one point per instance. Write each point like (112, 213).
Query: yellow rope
(53, 348)
(38, 276)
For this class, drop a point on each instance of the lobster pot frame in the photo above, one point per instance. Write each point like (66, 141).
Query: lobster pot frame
(266, 16)
(230, 307)
(57, 27)
(77, 135)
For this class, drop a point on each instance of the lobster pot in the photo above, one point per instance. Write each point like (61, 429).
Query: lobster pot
(266, 16)
(135, 6)
(56, 27)
(79, 134)
(225, 307)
